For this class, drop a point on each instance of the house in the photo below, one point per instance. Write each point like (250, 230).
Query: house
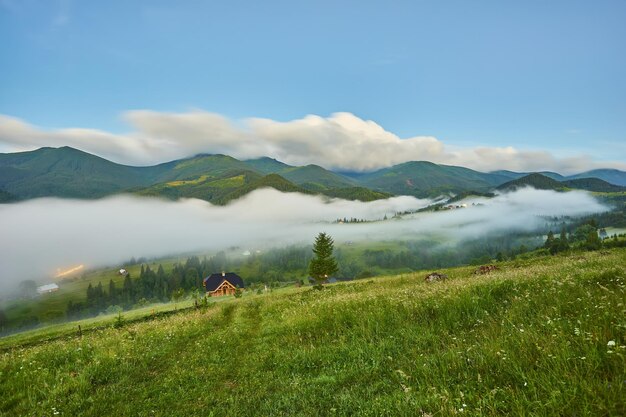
(48, 288)
(222, 284)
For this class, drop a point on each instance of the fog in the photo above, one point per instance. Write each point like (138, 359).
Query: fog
(38, 237)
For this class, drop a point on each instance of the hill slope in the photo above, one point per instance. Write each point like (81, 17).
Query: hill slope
(274, 181)
(542, 182)
(425, 179)
(612, 176)
(538, 181)
(593, 184)
(540, 337)
(65, 172)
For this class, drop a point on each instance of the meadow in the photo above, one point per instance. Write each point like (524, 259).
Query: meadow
(543, 336)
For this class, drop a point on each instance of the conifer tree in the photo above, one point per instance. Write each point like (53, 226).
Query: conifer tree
(112, 292)
(323, 263)
(549, 240)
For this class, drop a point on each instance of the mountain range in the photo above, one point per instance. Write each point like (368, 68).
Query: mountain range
(71, 173)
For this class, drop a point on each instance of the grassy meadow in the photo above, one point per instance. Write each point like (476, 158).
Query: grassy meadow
(545, 336)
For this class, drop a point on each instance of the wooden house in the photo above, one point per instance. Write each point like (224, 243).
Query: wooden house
(222, 284)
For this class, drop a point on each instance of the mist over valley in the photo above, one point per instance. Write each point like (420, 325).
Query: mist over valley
(44, 235)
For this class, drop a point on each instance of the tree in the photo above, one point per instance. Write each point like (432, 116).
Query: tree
(549, 240)
(238, 292)
(593, 241)
(112, 292)
(3, 320)
(323, 263)
(177, 295)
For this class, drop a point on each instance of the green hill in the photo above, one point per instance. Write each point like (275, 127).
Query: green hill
(425, 179)
(267, 165)
(542, 182)
(356, 193)
(593, 184)
(274, 181)
(65, 172)
(316, 178)
(204, 187)
(537, 337)
(6, 197)
(537, 181)
(612, 176)
(311, 177)
(213, 166)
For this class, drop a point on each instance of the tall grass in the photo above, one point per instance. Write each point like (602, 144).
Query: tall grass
(536, 338)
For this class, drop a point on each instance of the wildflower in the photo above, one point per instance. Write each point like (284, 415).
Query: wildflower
(611, 343)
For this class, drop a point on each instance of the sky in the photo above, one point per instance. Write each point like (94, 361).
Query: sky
(352, 85)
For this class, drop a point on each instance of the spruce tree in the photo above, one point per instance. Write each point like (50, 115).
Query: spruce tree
(549, 240)
(323, 263)
(112, 292)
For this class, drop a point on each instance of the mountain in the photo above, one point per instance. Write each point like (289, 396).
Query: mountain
(426, 179)
(206, 187)
(311, 177)
(6, 197)
(71, 173)
(65, 172)
(511, 175)
(593, 184)
(543, 182)
(316, 178)
(538, 181)
(612, 176)
(267, 165)
(212, 166)
(274, 181)
(356, 193)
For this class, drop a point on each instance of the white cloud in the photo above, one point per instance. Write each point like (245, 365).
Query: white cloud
(341, 141)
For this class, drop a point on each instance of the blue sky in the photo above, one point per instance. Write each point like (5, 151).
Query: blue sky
(532, 74)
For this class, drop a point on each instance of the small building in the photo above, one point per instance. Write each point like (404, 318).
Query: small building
(48, 288)
(225, 283)
(123, 272)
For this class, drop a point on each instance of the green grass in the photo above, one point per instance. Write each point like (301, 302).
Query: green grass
(530, 339)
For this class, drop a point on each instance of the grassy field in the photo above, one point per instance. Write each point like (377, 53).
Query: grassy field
(538, 337)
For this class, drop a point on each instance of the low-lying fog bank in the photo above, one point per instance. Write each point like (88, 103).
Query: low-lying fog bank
(39, 236)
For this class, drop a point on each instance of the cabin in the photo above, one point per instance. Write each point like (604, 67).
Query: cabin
(48, 288)
(225, 283)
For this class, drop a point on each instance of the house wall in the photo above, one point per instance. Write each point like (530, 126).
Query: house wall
(224, 289)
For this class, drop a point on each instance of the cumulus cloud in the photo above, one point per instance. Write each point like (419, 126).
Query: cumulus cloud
(341, 141)
(47, 234)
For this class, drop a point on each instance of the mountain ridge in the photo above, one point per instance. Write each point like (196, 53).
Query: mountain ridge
(72, 173)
